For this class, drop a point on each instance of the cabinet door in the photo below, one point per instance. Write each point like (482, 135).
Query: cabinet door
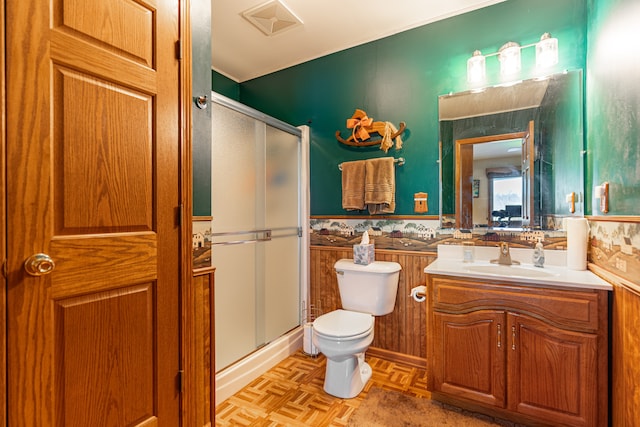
(552, 373)
(468, 356)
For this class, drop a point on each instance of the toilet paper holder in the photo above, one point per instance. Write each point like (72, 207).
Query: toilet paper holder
(308, 315)
(419, 293)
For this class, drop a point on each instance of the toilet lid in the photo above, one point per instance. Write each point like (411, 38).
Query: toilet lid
(343, 323)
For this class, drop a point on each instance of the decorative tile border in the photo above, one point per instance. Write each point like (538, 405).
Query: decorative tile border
(615, 246)
(421, 235)
(201, 243)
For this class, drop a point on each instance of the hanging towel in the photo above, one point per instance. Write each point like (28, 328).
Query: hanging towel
(380, 185)
(387, 142)
(353, 185)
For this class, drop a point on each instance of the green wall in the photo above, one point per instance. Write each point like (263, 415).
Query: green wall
(563, 162)
(399, 78)
(201, 126)
(613, 104)
(225, 86)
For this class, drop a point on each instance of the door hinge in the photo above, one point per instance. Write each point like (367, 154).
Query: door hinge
(180, 215)
(299, 231)
(180, 381)
(178, 50)
(4, 268)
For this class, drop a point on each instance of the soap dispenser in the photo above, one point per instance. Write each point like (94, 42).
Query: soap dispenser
(538, 255)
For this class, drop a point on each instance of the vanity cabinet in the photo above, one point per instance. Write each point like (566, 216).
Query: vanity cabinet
(520, 352)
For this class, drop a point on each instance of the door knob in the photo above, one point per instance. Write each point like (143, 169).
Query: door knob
(39, 264)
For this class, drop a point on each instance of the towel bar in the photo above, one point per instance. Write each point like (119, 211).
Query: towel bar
(399, 161)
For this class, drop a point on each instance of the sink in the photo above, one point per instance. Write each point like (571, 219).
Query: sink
(510, 270)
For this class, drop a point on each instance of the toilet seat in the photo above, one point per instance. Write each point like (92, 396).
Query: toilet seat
(343, 324)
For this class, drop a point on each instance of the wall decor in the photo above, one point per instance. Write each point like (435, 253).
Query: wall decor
(363, 126)
(201, 242)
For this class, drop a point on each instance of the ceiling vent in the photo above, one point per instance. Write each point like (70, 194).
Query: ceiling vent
(272, 17)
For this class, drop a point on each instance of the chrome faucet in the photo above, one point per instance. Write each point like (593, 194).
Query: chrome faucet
(504, 257)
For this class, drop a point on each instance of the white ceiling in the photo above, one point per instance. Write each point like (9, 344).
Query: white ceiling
(241, 52)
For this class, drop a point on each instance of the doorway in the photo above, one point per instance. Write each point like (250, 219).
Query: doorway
(474, 205)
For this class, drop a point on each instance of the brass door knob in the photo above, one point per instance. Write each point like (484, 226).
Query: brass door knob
(39, 264)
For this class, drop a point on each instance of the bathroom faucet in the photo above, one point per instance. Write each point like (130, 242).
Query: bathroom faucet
(505, 256)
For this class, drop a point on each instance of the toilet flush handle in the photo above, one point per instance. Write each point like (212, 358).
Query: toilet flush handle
(340, 272)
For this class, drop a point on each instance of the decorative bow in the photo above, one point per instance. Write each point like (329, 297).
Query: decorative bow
(358, 125)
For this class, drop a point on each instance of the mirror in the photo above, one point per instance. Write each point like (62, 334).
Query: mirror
(511, 155)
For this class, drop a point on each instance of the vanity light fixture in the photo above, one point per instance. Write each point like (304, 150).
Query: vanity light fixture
(510, 59)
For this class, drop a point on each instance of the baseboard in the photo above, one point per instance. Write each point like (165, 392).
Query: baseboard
(232, 379)
(392, 356)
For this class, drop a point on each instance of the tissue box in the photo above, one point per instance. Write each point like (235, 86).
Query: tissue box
(363, 254)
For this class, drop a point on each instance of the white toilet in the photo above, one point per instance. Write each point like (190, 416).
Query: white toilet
(344, 335)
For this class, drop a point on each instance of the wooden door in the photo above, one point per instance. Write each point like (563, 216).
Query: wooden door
(93, 150)
(528, 159)
(468, 356)
(552, 373)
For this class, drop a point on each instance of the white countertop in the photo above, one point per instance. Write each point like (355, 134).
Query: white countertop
(553, 274)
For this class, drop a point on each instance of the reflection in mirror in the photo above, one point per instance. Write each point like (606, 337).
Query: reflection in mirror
(509, 155)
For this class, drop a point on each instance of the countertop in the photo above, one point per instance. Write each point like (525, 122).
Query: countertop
(554, 274)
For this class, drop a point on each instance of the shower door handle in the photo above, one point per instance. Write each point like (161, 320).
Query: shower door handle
(258, 236)
(252, 236)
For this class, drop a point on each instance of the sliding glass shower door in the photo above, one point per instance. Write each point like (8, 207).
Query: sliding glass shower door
(256, 230)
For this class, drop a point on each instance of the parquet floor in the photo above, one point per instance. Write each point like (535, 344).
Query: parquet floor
(291, 394)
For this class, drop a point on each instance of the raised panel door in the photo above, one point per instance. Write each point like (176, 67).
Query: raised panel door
(468, 355)
(93, 155)
(552, 373)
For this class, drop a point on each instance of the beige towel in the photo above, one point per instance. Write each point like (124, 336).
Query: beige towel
(380, 185)
(390, 129)
(353, 185)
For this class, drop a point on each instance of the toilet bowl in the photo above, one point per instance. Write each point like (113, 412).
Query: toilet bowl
(344, 335)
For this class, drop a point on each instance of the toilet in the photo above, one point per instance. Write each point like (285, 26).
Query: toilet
(344, 335)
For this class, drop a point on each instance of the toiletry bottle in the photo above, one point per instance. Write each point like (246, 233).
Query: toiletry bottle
(538, 255)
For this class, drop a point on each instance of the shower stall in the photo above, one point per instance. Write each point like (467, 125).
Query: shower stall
(259, 231)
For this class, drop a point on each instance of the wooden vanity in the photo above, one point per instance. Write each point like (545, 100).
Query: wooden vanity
(527, 352)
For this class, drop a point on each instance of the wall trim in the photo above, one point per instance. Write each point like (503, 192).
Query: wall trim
(616, 218)
(377, 217)
(613, 278)
(392, 356)
(382, 251)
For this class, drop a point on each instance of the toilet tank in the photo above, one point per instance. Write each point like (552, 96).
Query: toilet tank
(368, 288)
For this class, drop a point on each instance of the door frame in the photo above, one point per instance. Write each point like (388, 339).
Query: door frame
(464, 174)
(3, 220)
(188, 355)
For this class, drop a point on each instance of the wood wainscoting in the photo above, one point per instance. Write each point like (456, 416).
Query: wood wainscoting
(204, 348)
(625, 355)
(400, 335)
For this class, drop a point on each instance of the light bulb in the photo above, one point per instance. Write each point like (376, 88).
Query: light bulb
(509, 56)
(476, 68)
(546, 51)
